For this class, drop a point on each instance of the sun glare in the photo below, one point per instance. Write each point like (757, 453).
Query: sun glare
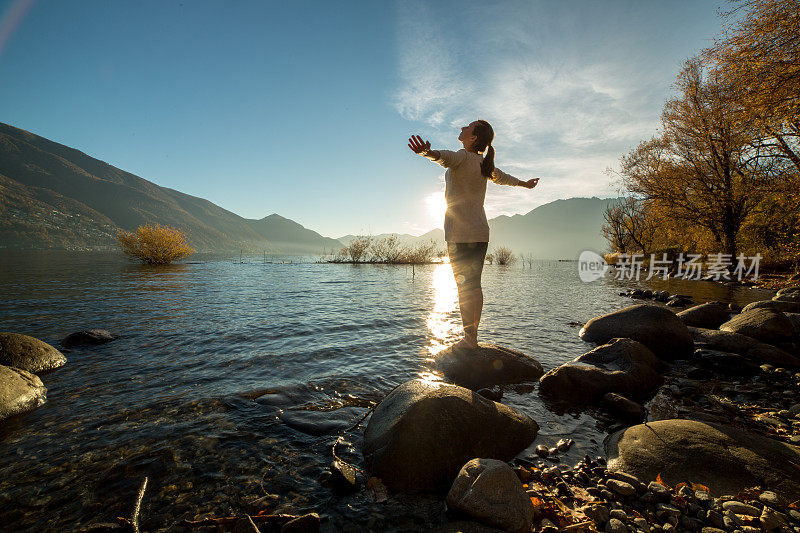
(444, 325)
(435, 206)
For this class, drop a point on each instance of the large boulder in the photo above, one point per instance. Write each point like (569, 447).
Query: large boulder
(28, 353)
(487, 365)
(20, 391)
(708, 315)
(656, 327)
(749, 347)
(624, 366)
(778, 305)
(423, 432)
(764, 324)
(723, 458)
(490, 491)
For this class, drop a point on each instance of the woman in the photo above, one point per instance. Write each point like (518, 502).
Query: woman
(466, 229)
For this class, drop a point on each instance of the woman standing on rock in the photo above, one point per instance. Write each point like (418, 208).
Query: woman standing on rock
(466, 229)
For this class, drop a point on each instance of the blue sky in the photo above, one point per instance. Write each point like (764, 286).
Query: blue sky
(304, 108)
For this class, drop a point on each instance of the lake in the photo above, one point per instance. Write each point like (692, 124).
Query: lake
(231, 380)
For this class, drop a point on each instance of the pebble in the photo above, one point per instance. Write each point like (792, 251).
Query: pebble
(773, 500)
(598, 513)
(627, 478)
(708, 529)
(794, 515)
(620, 487)
(795, 409)
(769, 519)
(741, 508)
(616, 526)
(659, 490)
(542, 451)
(703, 498)
(564, 444)
(667, 510)
(641, 524)
(619, 514)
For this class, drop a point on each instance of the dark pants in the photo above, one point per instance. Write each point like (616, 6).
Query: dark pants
(467, 260)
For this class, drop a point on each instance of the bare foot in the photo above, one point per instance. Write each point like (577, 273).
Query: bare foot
(465, 342)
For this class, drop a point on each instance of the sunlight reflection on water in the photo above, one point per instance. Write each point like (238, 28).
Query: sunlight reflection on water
(443, 321)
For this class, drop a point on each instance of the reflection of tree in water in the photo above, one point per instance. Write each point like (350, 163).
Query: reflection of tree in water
(163, 293)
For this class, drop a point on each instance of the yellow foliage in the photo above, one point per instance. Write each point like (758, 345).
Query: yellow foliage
(155, 244)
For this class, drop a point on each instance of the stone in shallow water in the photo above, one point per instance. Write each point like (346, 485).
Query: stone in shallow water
(708, 315)
(623, 365)
(29, 353)
(654, 326)
(764, 324)
(20, 391)
(423, 432)
(89, 337)
(487, 365)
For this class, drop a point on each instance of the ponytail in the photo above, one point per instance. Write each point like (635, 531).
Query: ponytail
(485, 134)
(487, 165)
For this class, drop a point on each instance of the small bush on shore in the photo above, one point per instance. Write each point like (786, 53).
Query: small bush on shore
(504, 256)
(155, 244)
(368, 249)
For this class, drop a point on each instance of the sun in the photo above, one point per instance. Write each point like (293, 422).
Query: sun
(435, 206)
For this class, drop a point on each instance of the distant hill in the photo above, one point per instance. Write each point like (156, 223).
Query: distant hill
(557, 230)
(52, 195)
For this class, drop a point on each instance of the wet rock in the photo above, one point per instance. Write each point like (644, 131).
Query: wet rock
(622, 365)
(317, 423)
(727, 459)
(709, 315)
(487, 365)
(465, 526)
(20, 391)
(494, 393)
(789, 290)
(749, 347)
(622, 407)
(29, 353)
(564, 444)
(766, 325)
(91, 337)
(422, 433)
(489, 491)
(763, 352)
(308, 523)
(542, 451)
(344, 477)
(654, 326)
(619, 514)
(792, 296)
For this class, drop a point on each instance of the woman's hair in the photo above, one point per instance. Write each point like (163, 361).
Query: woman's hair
(485, 134)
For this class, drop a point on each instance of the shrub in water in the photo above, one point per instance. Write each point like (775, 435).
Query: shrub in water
(155, 244)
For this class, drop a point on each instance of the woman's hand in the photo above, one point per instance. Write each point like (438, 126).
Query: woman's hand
(531, 183)
(418, 145)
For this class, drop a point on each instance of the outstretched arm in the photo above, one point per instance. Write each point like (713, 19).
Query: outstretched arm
(446, 158)
(501, 178)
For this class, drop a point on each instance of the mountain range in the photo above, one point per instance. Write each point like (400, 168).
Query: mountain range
(54, 196)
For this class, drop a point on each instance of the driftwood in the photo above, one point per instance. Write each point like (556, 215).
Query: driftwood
(270, 519)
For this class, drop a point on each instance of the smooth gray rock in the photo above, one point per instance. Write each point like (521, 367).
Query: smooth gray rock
(766, 325)
(654, 326)
(29, 353)
(741, 508)
(20, 391)
(786, 307)
(489, 491)
(624, 366)
(423, 432)
(708, 315)
(724, 458)
(487, 365)
(620, 487)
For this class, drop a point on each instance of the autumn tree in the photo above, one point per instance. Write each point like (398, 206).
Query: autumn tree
(702, 168)
(757, 58)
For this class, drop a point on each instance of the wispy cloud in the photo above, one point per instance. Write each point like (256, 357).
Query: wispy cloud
(559, 112)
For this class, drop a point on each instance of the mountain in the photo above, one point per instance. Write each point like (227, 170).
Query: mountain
(53, 196)
(557, 230)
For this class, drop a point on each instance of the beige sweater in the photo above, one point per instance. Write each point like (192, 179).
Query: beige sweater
(465, 191)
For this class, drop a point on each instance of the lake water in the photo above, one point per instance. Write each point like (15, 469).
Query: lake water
(231, 381)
